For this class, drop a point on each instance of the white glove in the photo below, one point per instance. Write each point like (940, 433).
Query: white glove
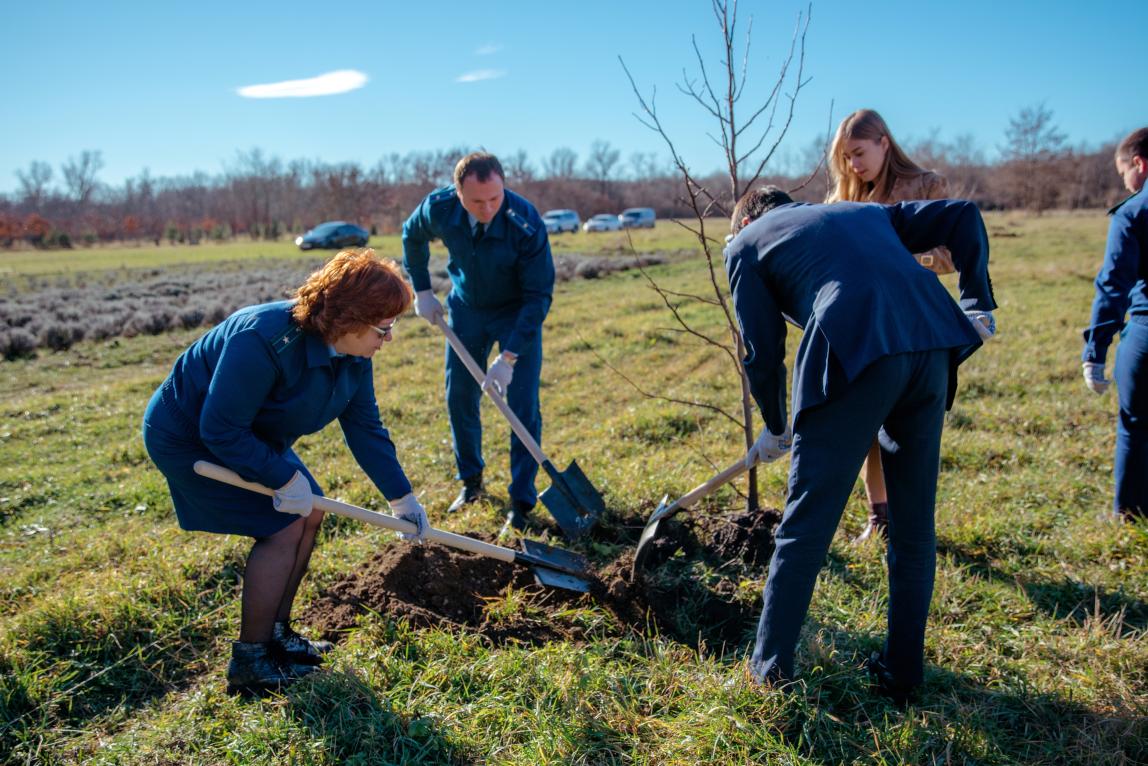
(768, 447)
(983, 322)
(428, 307)
(1094, 377)
(499, 375)
(408, 508)
(294, 496)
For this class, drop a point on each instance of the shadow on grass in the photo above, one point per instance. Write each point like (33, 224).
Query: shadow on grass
(341, 711)
(1059, 598)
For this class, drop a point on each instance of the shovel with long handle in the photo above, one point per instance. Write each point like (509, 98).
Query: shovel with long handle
(664, 511)
(571, 499)
(552, 566)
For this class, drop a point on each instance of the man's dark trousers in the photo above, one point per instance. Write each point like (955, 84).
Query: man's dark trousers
(1131, 374)
(479, 330)
(904, 396)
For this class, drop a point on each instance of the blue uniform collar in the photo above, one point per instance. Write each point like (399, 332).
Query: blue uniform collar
(318, 352)
(496, 227)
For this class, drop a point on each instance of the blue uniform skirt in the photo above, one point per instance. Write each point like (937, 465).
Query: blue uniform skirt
(202, 504)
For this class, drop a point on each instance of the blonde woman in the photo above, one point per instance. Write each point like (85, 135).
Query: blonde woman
(868, 165)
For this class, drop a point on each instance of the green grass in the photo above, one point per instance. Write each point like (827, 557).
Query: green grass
(114, 624)
(665, 236)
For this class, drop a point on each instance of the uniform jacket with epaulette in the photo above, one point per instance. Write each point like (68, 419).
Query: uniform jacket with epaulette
(844, 274)
(510, 267)
(1122, 283)
(256, 382)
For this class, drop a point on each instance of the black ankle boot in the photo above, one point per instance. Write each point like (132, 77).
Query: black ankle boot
(887, 686)
(472, 491)
(299, 649)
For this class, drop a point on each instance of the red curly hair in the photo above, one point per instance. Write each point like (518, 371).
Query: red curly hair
(353, 289)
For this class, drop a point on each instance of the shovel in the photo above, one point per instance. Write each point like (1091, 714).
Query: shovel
(663, 511)
(553, 567)
(571, 499)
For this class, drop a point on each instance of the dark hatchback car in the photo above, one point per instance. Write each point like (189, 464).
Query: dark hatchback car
(334, 234)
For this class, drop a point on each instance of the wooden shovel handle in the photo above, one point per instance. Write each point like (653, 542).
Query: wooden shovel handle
(516, 424)
(227, 476)
(702, 490)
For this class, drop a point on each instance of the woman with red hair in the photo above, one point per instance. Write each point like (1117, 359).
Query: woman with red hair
(241, 395)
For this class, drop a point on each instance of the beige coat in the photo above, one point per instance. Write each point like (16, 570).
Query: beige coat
(928, 185)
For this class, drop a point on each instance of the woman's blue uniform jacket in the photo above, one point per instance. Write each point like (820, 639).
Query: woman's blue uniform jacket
(254, 384)
(1122, 284)
(844, 273)
(510, 267)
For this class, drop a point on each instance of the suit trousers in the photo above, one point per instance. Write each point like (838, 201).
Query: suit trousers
(1131, 375)
(902, 398)
(479, 330)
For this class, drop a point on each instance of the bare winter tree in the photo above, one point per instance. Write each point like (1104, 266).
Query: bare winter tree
(561, 164)
(747, 140)
(1032, 145)
(34, 184)
(600, 164)
(518, 168)
(80, 174)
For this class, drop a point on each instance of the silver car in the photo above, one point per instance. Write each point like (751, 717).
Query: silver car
(561, 220)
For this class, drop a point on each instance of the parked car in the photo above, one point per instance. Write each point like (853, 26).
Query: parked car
(637, 218)
(561, 220)
(334, 234)
(603, 222)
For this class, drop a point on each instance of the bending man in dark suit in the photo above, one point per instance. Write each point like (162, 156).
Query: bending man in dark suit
(882, 341)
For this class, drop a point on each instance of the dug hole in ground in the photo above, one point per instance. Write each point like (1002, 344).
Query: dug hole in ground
(438, 587)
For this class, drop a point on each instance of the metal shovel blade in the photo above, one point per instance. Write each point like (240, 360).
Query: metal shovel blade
(572, 500)
(554, 567)
(649, 534)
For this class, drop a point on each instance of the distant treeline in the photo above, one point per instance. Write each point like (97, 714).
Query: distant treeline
(267, 198)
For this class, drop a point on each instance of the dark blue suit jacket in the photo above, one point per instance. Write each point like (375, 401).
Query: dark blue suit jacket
(509, 267)
(844, 273)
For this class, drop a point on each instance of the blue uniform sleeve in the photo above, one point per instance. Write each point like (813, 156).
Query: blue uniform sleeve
(370, 442)
(536, 285)
(763, 331)
(418, 231)
(1114, 284)
(957, 225)
(244, 376)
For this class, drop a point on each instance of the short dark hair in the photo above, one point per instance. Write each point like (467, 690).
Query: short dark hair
(1135, 144)
(755, 203)
(480, 165)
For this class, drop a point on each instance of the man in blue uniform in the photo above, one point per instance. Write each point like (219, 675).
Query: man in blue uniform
(1121, 287)
(502, 281)
(882, 341)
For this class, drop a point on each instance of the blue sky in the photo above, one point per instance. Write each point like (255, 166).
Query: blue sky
(155, 85)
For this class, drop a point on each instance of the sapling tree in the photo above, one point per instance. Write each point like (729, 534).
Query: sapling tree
(746, 135)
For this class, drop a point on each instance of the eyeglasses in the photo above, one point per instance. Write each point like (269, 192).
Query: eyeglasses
(385, 330)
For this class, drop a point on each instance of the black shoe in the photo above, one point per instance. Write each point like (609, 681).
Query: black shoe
(472, 491)
(887, 686)
(299, 649)
(258, 668)
(518, 518)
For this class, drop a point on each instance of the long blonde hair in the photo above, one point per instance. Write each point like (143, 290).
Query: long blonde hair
(848, 187)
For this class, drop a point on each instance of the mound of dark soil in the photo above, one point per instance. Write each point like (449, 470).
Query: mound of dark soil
(434, 586)
(744, 536)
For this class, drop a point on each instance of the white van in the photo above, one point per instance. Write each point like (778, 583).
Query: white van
(638, 218)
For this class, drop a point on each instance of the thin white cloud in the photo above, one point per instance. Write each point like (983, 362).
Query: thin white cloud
(481, 74)
(324, 85)
(488, 49)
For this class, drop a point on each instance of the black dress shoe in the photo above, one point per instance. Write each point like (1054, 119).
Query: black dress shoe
(472, 491)
(887, 686)
(519, 515)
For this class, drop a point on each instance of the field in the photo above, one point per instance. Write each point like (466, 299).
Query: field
(115, 625)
